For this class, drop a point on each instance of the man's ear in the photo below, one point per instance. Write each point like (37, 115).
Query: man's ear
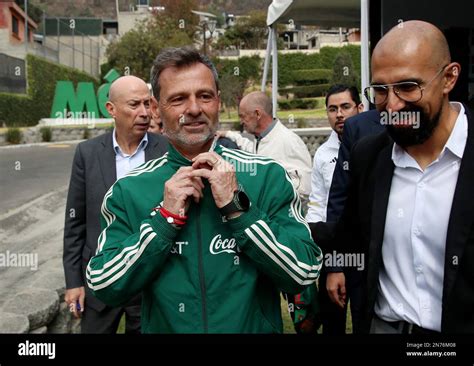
(452, 75)
(154, 107)
(110, 108)
(360, 107)
(219, 99)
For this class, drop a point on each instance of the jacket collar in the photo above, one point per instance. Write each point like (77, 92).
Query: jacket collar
(107, 161)
(176, 160)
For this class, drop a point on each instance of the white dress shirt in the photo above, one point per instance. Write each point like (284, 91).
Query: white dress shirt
(321, 178)
(124, 162)
(411, 279)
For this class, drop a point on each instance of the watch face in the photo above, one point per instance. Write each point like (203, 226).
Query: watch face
(243, 201)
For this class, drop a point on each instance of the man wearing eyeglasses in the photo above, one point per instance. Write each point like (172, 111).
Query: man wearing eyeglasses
(342, 102)
(409, 207)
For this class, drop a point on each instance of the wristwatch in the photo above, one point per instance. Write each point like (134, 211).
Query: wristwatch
(240, 203)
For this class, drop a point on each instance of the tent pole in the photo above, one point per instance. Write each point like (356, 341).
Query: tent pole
(267, 59)
(364, 48)
(274, 71)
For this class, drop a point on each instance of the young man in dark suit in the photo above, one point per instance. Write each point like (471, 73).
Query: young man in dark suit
(97, 164)
(409, 209)
(334, 320)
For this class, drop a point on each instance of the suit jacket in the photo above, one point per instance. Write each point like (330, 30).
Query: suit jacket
(356, 127)
(362, 224)
(93, 173)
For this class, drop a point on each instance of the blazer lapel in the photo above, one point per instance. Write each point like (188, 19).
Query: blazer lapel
(151, 151)
(157, 146)
(383, 172)
(462, 213)
(107, 161)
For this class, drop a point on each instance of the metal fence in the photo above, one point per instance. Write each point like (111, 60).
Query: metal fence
(70, 46)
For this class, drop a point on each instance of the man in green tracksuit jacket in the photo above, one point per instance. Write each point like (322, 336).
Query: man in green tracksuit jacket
(209, 235)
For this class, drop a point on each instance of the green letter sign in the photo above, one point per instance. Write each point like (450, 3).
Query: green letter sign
(68, 102)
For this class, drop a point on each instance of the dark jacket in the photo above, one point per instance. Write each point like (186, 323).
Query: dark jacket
(362, 224)
(355, 128)
(93, 173)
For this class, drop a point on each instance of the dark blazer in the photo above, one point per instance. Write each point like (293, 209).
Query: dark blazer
(93, 173)
(362, 224)
(361, 125)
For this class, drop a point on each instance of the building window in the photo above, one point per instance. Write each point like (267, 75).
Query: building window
(142, 2)
(15, 30)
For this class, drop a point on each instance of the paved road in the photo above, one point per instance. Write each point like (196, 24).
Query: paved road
(33, 189)
(27, 173)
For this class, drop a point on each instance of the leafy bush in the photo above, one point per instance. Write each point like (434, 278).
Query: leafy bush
(248, 69)
(313, 76)
(13, 135)
(42, 78)
(27, 110)
(15, 109)
(46, 134)
(308, 103)
(344, 72)
(306, 91)
(288, 63)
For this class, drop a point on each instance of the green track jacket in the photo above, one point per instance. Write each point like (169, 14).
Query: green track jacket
(212, 275)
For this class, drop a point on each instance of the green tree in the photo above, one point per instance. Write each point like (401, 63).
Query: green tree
(180, 14)
(232, 90)
(136, 50)
(248, 32)
(344, 71)
(34, 12)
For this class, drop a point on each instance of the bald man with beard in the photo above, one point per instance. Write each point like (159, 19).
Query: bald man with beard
(409, 212)
(97, 164)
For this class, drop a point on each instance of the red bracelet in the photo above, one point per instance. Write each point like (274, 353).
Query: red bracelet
(176, 219)
(170, 214)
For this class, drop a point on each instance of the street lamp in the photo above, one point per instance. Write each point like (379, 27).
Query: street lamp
(211, 26)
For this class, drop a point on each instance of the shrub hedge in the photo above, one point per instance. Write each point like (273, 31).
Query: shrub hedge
(307, 103)
(312, 76)
(27, 110)
(306, 91)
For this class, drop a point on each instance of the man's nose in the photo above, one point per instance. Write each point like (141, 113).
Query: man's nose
(394, 103)
(144, 110)
(194, 107)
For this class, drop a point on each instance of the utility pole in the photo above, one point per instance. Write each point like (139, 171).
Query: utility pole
(26, 26)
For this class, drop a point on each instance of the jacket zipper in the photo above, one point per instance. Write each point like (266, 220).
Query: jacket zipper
(202, 279)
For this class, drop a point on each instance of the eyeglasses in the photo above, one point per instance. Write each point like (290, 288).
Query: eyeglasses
(344, 108)
(408, 91)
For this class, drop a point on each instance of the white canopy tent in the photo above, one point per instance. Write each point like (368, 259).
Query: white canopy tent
(342, 13)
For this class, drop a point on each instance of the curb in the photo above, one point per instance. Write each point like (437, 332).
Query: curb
(41, 144)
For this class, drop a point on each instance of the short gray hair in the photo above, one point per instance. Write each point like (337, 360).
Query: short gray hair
(178, 57)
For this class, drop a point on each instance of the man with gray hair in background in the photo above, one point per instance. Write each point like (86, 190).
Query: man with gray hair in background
(273, 139)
